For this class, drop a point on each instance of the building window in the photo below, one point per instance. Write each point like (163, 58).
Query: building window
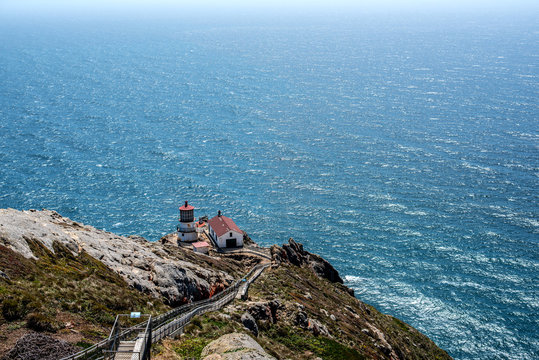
(230, 234)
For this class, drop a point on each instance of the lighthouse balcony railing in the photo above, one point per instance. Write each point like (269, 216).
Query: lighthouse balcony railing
(186, 229)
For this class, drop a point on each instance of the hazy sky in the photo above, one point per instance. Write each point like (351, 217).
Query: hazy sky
(82, 6)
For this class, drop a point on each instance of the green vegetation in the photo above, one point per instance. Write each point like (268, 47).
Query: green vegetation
(301, 341)
(83, 344)
(12, 309)
(41, 322)
(61, 285)
(191, 348)
(400, 324)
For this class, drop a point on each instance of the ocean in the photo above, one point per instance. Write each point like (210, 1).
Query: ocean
(402, 149)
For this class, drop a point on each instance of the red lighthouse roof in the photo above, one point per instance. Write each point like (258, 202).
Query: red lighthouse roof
(222, 224)
(186, 206)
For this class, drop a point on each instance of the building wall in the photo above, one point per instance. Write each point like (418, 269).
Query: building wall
(221, 240)
(187, 226)
(202, 250)
(190, 236)
(187, 232)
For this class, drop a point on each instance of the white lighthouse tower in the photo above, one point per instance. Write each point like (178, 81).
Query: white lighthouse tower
(187, 229)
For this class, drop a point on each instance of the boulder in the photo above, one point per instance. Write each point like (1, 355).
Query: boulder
(317, 328)
(313, 325)
(250, 323)
(234, 346)
(265, 310)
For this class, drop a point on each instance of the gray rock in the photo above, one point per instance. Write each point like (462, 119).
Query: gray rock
(4, 275)
(146, 266)
(302, 319)
(305, 322)
(234, 346)
(250, 323)
(383, 345)
(265, 310)
(317, 328)
(260, 311)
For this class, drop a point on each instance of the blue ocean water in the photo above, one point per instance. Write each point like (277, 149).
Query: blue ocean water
(405, 151)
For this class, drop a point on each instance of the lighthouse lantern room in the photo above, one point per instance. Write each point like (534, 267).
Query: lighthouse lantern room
(187, 228)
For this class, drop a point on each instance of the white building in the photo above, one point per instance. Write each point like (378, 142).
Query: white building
(187, 229)
(201, 247)
(224, 232)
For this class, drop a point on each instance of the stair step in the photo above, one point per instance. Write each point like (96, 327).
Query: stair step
(123, 356)
(125, 350)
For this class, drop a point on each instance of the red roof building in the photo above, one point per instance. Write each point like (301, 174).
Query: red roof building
(201, 247)
(200, 244)
(225, 232)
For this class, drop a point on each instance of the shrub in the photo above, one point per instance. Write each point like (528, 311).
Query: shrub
(40, 322)
(191, 348)
(196, 321)
(83, 344)
(12, 309)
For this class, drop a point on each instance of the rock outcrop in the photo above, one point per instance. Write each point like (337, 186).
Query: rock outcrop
(148, 267)
(265, 310)
(234, 346)
(250, 323)
(294, 253)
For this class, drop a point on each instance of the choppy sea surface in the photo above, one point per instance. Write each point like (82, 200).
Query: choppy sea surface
(405, 151)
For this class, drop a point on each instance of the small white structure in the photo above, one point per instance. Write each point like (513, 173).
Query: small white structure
(201, 226)
(201, 247)
(224, 232)
(187, 229)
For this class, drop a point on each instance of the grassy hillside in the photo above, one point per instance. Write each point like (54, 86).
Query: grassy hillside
(76, 298)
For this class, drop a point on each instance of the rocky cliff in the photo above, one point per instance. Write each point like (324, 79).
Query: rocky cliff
(148, 267)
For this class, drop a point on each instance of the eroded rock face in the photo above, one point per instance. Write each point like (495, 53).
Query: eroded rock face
(265, 310)
(234, 346)
(146, 266)
(293, 253)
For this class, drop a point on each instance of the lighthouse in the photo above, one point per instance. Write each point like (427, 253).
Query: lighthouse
(187, 229)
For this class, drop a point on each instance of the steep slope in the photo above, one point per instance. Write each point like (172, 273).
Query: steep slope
(299, 309)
